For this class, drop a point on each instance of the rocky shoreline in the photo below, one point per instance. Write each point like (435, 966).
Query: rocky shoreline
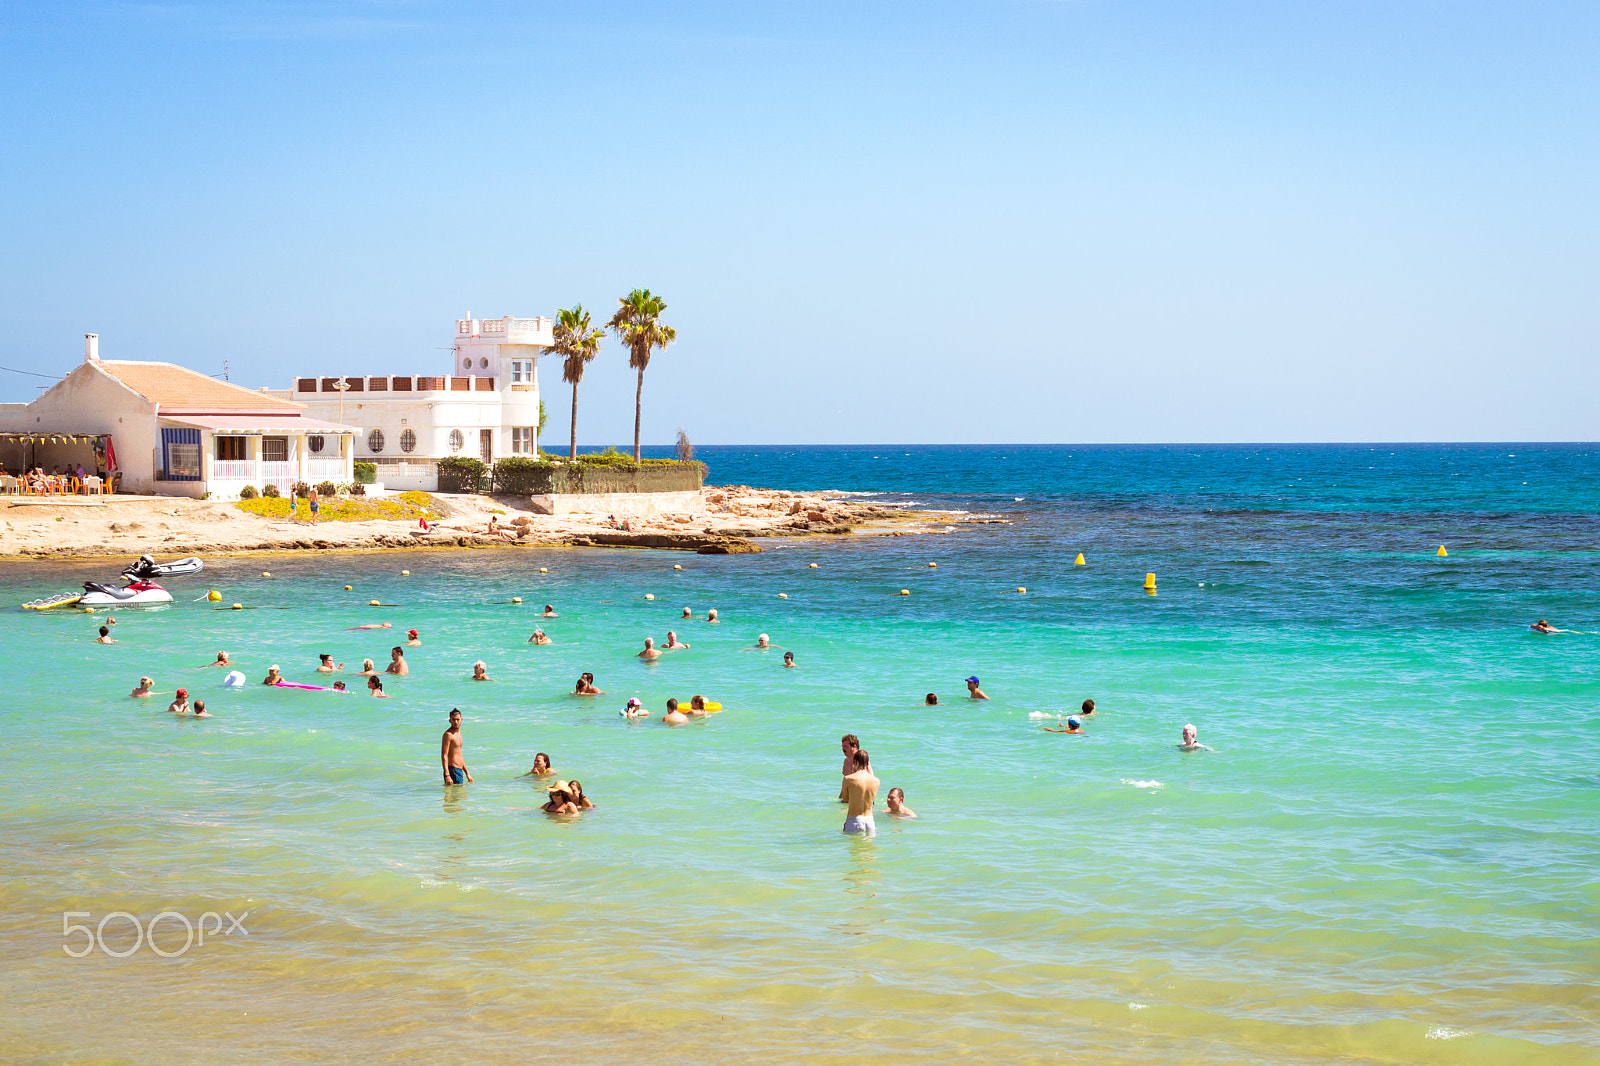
(735, 518)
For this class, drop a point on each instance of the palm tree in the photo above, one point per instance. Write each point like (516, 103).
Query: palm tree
(577, 342)
(637, 324)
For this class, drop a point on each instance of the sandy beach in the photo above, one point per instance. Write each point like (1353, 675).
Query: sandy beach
(734, 518)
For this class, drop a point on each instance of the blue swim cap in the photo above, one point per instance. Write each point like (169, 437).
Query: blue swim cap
(1073, 723)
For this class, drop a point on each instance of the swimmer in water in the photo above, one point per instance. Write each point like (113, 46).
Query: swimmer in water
(541, 766)
(788, 659)
(273, 677)
(674, 716)
(973, 690)
(324, 667)
(375, 686)
(1191, 740)
(452, 753)
(397, 663)
(412, 639)
(687, 613)
(222, 660)
(1073, 726)
(931, 700)
(711, 615)
(144, 691)
(897, 804)
(697, 706)
(480, 672)
(861, 792)
(1541, 626)
(539, 638)
(848, 744)
(104, 637)
(1088, 708)
(560, 800)
(549, 612)
(586, 686)
(338, 686)
(673, 643)
(367, 669)
(635, 709)
(180, 703)
(200, 709)
(372, 625)
(579, 800)
(650, 653)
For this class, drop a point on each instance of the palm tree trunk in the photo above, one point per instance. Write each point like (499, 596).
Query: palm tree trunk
(574, 420)
(638, 393)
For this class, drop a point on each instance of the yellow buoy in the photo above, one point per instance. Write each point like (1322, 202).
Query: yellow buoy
(783, 595)
(544, 569)
(349, 588)
(905, 592)
(1149, 581)
(1022, 588)
(374, 603)
(214, 596)
(405, 573)
(516, 599)
(813, 566)
(649, 595)
(1442, 551)
(677, 566)
(238, 607)
(265, 574)
(933, 564)
(88, 610)
(1079, 560)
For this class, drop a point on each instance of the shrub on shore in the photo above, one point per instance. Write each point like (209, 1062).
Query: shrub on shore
(248, 493)
(404, 507)
(270, 492)
(366, 473)
(326, 489)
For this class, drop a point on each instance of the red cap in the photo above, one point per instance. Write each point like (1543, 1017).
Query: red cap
(411, 632)
(183, 692)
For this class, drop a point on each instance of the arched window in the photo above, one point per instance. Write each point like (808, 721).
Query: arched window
(456, 440)
(408, 441)
(375, 441)
(315, 444)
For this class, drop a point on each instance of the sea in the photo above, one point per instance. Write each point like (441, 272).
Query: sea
(1388, 853)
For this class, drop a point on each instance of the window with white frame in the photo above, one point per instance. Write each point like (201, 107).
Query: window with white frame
(522, 371)
(521, 440)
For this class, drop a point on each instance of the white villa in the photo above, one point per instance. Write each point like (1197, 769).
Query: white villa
(159, 428)
(486, 407)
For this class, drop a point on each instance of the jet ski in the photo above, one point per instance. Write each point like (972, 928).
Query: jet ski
(140, 588)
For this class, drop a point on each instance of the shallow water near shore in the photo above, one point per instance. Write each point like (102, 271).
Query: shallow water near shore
(1389, 857)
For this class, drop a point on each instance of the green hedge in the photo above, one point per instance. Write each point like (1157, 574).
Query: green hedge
(366, 473)
(459, 473)
(530, 477)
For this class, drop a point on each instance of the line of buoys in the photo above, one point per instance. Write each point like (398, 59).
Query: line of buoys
(238, 607)
(1442, 551)
(1079, 560)
(516, 599)
(374, 603)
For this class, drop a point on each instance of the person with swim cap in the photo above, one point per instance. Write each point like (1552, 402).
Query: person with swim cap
(180, 702)
(222, 660)
(452, 756)
(145, 689)
(1191, 740)
(326, 666)
(650, 653)
(273, 677)
(634, 709)
(397, 663)
(413, 641)
(763, 642)
(673, 643)
(897, 804)
(673, 715)
(861, 793)
(480, 672)
(973, 690)
(200, 709)
(539, 638)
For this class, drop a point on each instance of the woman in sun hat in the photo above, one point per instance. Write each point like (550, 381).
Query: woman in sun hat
(560, 799)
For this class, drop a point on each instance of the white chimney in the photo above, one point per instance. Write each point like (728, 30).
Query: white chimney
(91, 347)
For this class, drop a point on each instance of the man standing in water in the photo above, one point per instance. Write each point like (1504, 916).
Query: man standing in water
(397, 663)
(849, 745)
(451, 758)
(861, 792)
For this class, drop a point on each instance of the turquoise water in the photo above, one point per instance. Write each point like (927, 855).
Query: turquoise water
(1389, 857)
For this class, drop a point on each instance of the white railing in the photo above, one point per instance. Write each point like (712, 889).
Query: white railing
(324, 469)
(283, 475)
(496, 327)
(233, 469)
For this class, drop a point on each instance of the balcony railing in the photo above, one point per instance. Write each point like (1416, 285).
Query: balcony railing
(233, 469)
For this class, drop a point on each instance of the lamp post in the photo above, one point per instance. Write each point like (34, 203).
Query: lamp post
(342, 384)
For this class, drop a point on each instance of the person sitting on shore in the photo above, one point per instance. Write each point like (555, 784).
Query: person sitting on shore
(1191, 740)
(1541, 626)
(496, 531)
(397, 663)
(200, 709)
(549, 612)
(480, 672)
(222, 660)
(674, 716)
(560, 800)
(930, 700)
(412, 639)
(634, 709)
(673, 643)
(539, 638)
(650, 653)
(273, 677)
(973, 690)
(788, 660)
(579, 800)
(105, 636)
(897, 804)
(1088, 708)
(375, 686)
(326, 666)
(145, 689)
(367, 668)
(586, 686)
(180, 702)
(541, 766)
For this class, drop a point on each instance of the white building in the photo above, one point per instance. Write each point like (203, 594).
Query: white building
(486, 407)
(161, 428)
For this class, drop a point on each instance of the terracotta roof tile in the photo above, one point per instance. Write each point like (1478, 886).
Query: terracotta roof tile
(178, 388)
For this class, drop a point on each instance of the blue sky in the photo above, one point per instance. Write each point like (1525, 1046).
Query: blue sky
(872, 222)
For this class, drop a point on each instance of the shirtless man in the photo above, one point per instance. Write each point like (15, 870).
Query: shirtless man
(539, 638)
(549, 612)
(674, 716)
(397, 663)
(897, 804)
(451, 759)
(480, 672)
(222, 660)
(673, 643)
(200, 709)
(711, 615)
(788, 659)
(688, 613)
(973, 690)
(412, 640)
(324, 667)
(849, 745)
(180, 702)
(1191, 740)
(861, 792)
(586, 686)
(104, 637)
(650, 652)
(1088, 708)
(144, 689)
